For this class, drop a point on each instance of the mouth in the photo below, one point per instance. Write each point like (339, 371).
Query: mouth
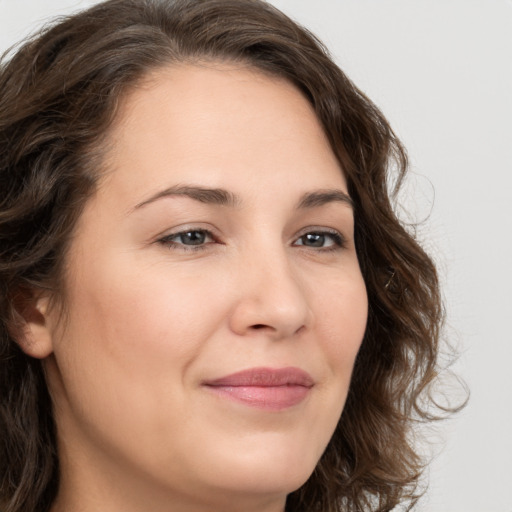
(264, 388)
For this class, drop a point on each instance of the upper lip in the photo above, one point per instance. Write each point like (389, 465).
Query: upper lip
(265, 377)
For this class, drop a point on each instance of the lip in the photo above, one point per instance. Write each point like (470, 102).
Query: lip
(272, 389)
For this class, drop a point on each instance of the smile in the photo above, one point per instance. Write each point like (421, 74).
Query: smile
(264, 388)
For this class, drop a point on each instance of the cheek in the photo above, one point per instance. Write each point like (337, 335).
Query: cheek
(129, 342)
(134, 329)
(147, 322)
(343, 313)
(343, 324)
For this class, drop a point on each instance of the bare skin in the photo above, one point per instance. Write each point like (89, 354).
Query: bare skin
(220, 240)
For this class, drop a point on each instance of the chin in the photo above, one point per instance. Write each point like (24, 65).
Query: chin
(270, 471)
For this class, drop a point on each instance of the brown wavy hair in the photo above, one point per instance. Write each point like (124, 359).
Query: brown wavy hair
(59, 94)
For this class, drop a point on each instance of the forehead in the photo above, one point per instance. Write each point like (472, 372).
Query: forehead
(220, 125)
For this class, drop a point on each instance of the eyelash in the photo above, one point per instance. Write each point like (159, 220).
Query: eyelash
(167, 240)
(339, 241)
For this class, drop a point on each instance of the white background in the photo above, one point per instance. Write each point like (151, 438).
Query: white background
(441, 70)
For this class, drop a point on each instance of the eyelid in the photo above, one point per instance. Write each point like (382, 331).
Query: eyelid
(340, 240)
(165, 239)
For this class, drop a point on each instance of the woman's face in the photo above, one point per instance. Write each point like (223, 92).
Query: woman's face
(214, 300)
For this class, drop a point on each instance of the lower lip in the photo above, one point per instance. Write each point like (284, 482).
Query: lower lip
(272, 398)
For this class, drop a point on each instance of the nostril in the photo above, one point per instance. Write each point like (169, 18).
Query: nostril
(259, 326)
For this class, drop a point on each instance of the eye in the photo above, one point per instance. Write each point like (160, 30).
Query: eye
(330, 240)
(189, 239)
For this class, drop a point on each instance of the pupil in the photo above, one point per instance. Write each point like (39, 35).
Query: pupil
(193, 238)
(315, 239)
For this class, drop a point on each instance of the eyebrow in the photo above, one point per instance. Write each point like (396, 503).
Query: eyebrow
(222, 197)
(321, 197)
(217, 196)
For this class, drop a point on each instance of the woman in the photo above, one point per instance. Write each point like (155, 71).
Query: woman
(207, 300)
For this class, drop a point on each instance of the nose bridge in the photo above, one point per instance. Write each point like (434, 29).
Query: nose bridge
(272, 295)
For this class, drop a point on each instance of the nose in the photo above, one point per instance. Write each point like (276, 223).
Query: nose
(272, 298)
